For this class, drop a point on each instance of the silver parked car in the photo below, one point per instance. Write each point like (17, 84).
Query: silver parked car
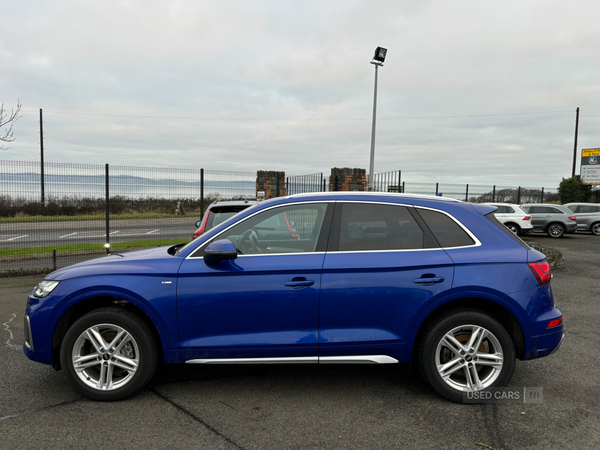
(555, 220)
(587, 215)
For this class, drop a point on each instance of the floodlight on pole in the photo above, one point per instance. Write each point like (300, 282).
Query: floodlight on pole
(377, 61)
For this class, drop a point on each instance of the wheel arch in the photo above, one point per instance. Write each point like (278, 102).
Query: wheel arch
(79, 309)
(499, 312)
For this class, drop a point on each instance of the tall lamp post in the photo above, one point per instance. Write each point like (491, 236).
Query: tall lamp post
(377, 61)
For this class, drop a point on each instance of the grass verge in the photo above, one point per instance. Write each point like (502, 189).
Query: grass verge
(24, 251)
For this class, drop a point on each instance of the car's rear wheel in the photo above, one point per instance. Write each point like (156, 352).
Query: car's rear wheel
(514, 228)
(595, 228)
(466, 351)
(555, 230)
(108, 354)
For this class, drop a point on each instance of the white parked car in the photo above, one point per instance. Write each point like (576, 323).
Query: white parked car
(513, 217)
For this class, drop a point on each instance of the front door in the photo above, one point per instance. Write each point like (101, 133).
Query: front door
(264, 305)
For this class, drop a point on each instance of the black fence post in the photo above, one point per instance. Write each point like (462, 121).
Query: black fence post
(437, 186)
(494, 193)
(107, 244)
(42, 161)
(403, 188)
(519, 196)
(54, 259)
(399, 178)
(467, 194)
(201, 194)
(542, 198)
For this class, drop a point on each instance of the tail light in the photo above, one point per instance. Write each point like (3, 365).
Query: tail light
(555, 323)
(541, 271)
(527, 218)
(572, 217)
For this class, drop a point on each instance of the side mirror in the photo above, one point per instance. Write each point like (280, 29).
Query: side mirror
(198, 224)
(292, 223)
(220, 250)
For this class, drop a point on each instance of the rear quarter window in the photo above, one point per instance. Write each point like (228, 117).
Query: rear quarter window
(447, 232)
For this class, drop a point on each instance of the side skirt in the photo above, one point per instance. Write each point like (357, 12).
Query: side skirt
(357, 359)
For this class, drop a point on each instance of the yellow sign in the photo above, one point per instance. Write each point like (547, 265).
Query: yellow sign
(590, 152)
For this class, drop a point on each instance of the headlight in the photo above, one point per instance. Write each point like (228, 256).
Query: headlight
(44, 288)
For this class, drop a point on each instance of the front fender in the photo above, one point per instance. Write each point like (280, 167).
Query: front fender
(154, 296)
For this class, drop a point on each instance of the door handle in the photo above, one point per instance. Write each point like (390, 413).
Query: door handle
(428, 281)
(299, 282)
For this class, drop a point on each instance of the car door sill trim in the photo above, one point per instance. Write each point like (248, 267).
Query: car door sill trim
(358, 359)
(355, 359)
(298, 360)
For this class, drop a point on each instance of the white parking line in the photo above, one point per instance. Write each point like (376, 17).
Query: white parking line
(15, 238)
(153, 231)
(67, 235)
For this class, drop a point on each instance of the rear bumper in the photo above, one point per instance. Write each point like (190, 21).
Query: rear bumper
(545, 344)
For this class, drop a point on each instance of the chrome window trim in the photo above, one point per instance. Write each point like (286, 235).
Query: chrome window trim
(471, 235)
(252, 215)
(355, 359)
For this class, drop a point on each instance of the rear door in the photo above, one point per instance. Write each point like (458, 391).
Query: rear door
(381, 266)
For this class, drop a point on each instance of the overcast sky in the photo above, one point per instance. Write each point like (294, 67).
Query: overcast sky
(480, 92)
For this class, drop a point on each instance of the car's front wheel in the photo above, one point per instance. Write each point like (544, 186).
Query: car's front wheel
(466, 351)
(555, 230)
(108, 354)
(595, 228)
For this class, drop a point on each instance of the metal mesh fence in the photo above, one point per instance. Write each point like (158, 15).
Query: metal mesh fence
(300, 184)
(61, 216)
(387, 181)
(229, 185)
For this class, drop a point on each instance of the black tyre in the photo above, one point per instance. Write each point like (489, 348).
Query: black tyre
(108, 354)
(514, 228)
(555, 230)
(466, 351)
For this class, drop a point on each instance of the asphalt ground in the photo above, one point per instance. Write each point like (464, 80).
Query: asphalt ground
(315, 407)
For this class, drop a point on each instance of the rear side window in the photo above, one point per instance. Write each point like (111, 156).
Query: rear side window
(447, 232)
(368, 226)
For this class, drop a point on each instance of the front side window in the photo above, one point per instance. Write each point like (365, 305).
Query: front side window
(368, 226)
(286, 229)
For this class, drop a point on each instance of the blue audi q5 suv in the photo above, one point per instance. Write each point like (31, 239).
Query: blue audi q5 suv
(371, 278)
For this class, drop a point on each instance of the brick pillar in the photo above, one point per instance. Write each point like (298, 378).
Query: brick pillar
(347, 179)
(270, 182)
